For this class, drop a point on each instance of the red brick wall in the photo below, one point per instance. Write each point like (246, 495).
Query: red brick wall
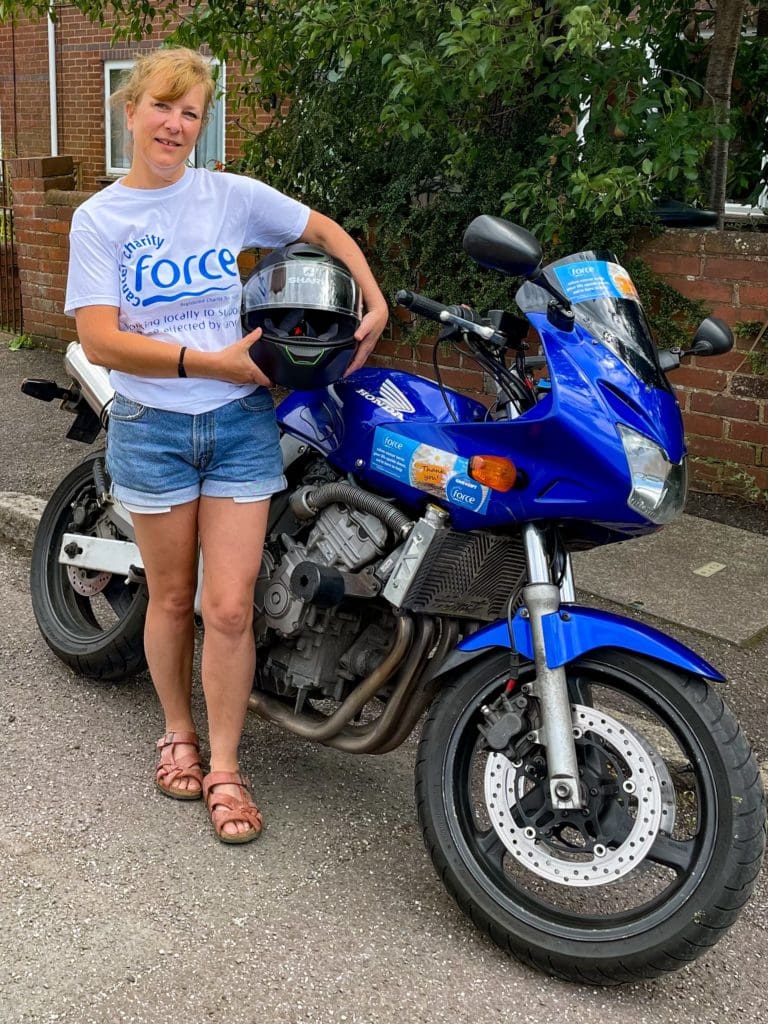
(43, 201)
(26, 127)
(725, 404)
(81, 52)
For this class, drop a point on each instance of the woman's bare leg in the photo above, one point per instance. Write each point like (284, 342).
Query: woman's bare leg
(232, 540)
(168, 544)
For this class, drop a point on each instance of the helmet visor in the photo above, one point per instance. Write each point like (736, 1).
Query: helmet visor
(304, 285)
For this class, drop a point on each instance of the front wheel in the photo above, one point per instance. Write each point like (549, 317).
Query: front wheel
(94, 622)
(655, 866)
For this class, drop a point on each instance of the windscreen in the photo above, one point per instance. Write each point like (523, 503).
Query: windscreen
(606, 304)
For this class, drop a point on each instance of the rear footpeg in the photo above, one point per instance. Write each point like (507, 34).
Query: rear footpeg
(46, 390)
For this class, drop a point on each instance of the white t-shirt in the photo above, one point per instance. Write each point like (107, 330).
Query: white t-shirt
(167, 258)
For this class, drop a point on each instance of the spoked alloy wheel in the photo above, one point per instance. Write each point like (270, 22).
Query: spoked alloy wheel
(655, 866)
(92, 621)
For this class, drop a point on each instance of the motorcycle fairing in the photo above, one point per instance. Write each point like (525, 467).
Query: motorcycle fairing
(575, 630)
(567, 449)
(605, 389)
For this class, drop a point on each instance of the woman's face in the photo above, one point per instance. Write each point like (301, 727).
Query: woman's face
(164, 134)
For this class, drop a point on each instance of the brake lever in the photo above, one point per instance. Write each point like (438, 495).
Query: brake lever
(486, 333)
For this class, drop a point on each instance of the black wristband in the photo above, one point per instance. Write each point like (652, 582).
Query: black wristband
(182, 371)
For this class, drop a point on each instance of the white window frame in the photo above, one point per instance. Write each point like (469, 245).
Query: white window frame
(111, 111)
(733, 211)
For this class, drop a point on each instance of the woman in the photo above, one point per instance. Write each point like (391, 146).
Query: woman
(193, 445)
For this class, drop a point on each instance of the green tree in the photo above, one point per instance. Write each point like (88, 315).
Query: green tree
(406, 118)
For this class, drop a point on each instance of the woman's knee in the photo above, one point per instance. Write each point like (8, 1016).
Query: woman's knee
(228, 613)
(175, 602)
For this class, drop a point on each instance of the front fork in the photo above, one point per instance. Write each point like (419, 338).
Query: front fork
(542, 596)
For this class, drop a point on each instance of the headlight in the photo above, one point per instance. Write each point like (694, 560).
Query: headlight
(659, 487)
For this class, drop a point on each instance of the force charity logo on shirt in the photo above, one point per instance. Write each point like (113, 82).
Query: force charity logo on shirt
(148, 279)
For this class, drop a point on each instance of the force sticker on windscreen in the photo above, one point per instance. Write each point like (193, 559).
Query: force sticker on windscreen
(595, 279)
(433, 470)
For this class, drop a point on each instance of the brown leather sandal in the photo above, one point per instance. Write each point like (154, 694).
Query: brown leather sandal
(171, 769)
(223, 808)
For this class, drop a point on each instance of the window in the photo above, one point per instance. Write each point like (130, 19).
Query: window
(747, 195)
(210, 146)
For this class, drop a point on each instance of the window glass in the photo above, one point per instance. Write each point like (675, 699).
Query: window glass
(210, 145)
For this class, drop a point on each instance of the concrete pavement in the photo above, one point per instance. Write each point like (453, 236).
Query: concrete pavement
(693, 572)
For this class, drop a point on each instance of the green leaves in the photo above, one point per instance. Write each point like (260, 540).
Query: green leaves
(570, 117)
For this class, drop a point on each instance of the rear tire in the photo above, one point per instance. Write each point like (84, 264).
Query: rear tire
(686, 890)
(100, 634)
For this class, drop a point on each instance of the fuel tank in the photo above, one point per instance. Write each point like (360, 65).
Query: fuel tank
(375, 424)
(339, 420)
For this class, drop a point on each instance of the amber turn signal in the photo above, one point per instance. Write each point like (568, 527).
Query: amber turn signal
(493, 471)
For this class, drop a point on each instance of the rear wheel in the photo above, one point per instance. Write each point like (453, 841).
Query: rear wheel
(649, 873)
(94, 622)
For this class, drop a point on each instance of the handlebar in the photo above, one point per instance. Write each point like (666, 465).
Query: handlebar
(422, 306)
(463, 317)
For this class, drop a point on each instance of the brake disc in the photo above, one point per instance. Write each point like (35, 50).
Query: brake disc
(646, 811)
(85, 583)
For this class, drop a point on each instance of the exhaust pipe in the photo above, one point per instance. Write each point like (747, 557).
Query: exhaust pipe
(93, 380)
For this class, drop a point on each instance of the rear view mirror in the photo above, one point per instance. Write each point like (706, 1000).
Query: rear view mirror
(713, 338)
(500, 245)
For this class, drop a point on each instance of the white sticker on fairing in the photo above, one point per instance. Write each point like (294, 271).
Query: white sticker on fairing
(429, 469)
(588, 280)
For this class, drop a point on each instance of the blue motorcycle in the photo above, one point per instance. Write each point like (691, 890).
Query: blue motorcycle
(585, 794)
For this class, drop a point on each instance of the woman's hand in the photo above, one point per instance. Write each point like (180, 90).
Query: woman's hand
(367, 334)
(234, 363)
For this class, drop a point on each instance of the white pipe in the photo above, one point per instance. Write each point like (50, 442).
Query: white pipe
(52, 85)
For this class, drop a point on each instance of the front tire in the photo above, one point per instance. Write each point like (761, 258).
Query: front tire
(688, 884)
(93, 622)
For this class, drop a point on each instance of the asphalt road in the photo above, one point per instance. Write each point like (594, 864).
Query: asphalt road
(117, 904)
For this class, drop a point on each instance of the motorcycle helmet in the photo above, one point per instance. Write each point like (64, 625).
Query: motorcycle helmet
(308, 306)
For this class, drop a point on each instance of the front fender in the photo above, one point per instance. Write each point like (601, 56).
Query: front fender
(574, 630)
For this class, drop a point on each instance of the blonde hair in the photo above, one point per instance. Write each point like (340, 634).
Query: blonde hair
(173, 72)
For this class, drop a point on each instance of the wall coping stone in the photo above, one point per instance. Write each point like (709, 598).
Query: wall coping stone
(59, 197)
(709, 241)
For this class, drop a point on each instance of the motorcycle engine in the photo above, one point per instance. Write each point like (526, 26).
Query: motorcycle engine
(306, 648)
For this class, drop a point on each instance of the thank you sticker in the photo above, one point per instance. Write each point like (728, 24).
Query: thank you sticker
(434, 470)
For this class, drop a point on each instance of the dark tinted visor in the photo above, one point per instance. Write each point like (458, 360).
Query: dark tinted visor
(302, 285)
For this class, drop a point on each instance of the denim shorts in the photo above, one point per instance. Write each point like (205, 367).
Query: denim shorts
(157, 459)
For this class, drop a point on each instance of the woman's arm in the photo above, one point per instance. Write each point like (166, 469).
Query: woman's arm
(106, 345)
(329, 235)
